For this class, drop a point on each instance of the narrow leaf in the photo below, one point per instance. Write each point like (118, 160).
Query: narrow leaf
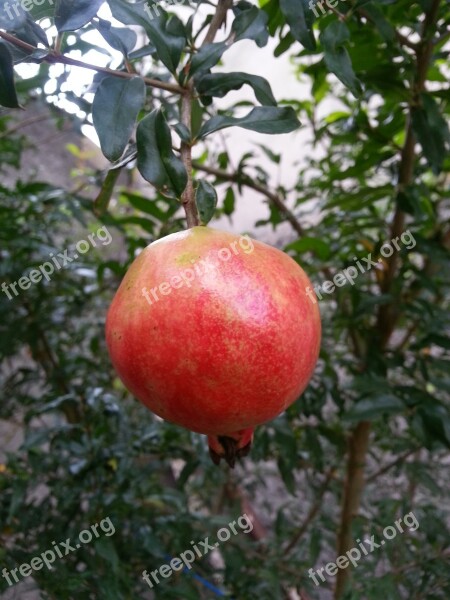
(251, 24)
(115, 109)
(337, 58)
(206, 200)
(206, 58)
(300, 17)
(432, 131)
(168, 36)
(262, 119)
(130, 14)
(157, 162)
(8, 96)
(122, 39)
(375, 407)
(71, 15)
(219, 84)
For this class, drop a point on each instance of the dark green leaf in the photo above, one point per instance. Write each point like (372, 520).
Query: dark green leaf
(8, 96)
(261, 119)
(157, 162)
(130, 14)
(168, 36)
(122, 39)
(374, 407)
(337, 58)
(115, 109)
(300, 17)
(219, 84)
(71, 15)
(308, 244)
(206, 200)
(183, 132)
(251, 24)
(386, 30)
(228, 203)
(46, 8)
(432, 131)
(207, 57)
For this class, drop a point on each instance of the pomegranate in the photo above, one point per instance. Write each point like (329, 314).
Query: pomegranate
(214, 332)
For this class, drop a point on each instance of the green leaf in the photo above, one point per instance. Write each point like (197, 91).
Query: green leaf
(307, 244)
(168, 36)
(229, 202)
(219, 84)
(374, 407)
(122, 39)
(114, 112)
(130, 14)
(157, 162)
(436, 422)
(206, 200)
(150, 206)
(46, 8)
(432, 131)
(300, 18)
(386, 30)
(337, 58)
(287, 475)
(8, 96)
(251, 24)
(71, 15)
(183, 132)
(206, 58)
(106, 549)
(261, 119)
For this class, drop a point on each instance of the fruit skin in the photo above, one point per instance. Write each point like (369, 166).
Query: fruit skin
(220, 354)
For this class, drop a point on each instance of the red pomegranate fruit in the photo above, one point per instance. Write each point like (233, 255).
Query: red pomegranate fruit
(214, 332)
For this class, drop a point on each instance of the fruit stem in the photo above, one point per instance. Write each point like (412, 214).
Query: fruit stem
(188, 196)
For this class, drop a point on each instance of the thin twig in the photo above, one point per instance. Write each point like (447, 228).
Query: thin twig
(55, 57)
(242, 179)
(389, 466)
(312, 511)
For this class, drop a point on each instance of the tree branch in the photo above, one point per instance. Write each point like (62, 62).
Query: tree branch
(389, 466)
(312, 512)
(188, 196)
(54, 57)
(242, 179)
(388, 313)
(354, 485)
(218, 20)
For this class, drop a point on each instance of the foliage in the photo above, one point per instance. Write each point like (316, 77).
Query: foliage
(377, 413)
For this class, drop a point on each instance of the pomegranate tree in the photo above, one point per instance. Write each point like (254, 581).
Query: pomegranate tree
(214, 332)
